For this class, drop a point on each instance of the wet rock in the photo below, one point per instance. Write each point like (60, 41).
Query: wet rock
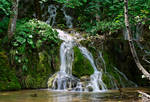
(85, 78)
(90, 89)
(69, 89)
(51, 79)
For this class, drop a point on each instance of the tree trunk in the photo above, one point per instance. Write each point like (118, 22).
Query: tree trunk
(132, 48)
(13, 19)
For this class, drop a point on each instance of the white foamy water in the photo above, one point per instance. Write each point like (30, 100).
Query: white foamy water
(64, 79)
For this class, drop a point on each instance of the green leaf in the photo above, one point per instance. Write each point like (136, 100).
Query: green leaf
(85, 1)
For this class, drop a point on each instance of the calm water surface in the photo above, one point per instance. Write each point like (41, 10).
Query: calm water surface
(127, 95)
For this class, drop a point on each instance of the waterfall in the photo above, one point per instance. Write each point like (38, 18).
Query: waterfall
(130, 83)
(64, 80)
(67, 18)
(67, 56)
(137, 32)
(113, 83)
(96, 78)
(52, 15)
(51, 12)
(103, 61)
(89, 56)
(120, 74)
(125, 34)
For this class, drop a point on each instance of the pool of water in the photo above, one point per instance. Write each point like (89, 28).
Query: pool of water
(126, 95)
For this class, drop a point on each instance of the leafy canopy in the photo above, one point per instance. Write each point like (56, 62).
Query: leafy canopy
(5, 7)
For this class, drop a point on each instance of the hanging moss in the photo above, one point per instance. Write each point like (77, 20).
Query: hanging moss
(8, 79)
(81, 66)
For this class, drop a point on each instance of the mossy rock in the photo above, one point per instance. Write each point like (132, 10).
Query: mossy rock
(81, 66)
(8, 79)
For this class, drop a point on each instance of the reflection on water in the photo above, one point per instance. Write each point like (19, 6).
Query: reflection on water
(127, 95)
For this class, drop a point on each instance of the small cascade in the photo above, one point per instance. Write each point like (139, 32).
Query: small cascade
(146, 52)
(124, 81)
(138, 31)
(96, 82)
(88, 55)
(79, 87)
(113, 83)
(125, 34)
(67, 18)
(130, 83)
(96, 78)
(103, 61)
(67, 57)
(52, 15)
(64, 80)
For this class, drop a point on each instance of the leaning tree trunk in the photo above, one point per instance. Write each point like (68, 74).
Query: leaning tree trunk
(13, 19)
(133, 51)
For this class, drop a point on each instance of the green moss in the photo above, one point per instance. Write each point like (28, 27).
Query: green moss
(81, 65)
(8, 79)
(107, 81)
(40, 65)
(117, 77)
(34, 82)
(110, 70)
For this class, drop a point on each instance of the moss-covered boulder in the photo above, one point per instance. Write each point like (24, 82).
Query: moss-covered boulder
(81, 66)
(8, 79)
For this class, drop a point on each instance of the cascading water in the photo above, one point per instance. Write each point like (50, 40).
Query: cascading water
(63, 80)
(96, 78)
(103, 61)
(125, 34)
(67, 18)
(52, 15)
(124, 81)
(89, 56)
(146, 52)
(125, 77)
(51, 12)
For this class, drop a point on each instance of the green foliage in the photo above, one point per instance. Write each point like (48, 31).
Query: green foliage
(5, 7)
(39, 69)
(106, 11)
(8, 79)
(109, 26)
(30, 36)
(111, 15)
(105, 27)
(61, 26)
(72, 3)
(139, 11)
(4, 26)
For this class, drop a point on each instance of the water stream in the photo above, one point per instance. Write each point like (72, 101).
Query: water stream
(67, 18)
(52, 15)
(64, 80)
(121, 75)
